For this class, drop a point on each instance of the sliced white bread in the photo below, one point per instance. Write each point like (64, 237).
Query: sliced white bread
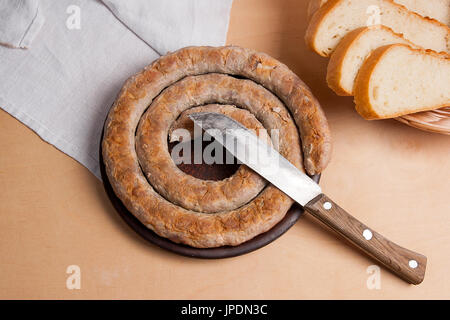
(351, 53)
(396, 80)
(336, 18)
(435, 9)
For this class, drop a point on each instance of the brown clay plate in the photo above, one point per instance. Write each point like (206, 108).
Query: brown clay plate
(206, 172)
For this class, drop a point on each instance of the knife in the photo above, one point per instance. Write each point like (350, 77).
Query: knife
(267, 162)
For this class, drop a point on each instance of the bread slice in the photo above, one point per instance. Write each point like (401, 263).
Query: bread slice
(351, 53)
(336, 18)
(396, 80)
(435, 9)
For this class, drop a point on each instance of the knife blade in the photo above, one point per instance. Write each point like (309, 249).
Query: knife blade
(270, 164)
(259, 156)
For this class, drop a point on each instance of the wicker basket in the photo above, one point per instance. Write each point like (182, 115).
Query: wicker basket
(437, 121)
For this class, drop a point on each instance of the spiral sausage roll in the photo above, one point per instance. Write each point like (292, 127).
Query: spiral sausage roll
(251, 87)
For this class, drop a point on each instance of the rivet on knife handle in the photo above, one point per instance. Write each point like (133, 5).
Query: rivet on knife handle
(407, 264)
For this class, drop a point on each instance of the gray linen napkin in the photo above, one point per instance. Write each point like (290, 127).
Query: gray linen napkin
(63, 85)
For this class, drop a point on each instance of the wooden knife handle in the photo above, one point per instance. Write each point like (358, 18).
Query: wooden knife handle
(407, 264)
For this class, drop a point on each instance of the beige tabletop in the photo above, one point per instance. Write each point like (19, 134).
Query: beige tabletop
(55, 214)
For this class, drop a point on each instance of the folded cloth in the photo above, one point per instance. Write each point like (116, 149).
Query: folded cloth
(63, 85)
(185, 21)
(20, 21)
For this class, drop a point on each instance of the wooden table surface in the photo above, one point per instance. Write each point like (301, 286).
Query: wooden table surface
(54, 213)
